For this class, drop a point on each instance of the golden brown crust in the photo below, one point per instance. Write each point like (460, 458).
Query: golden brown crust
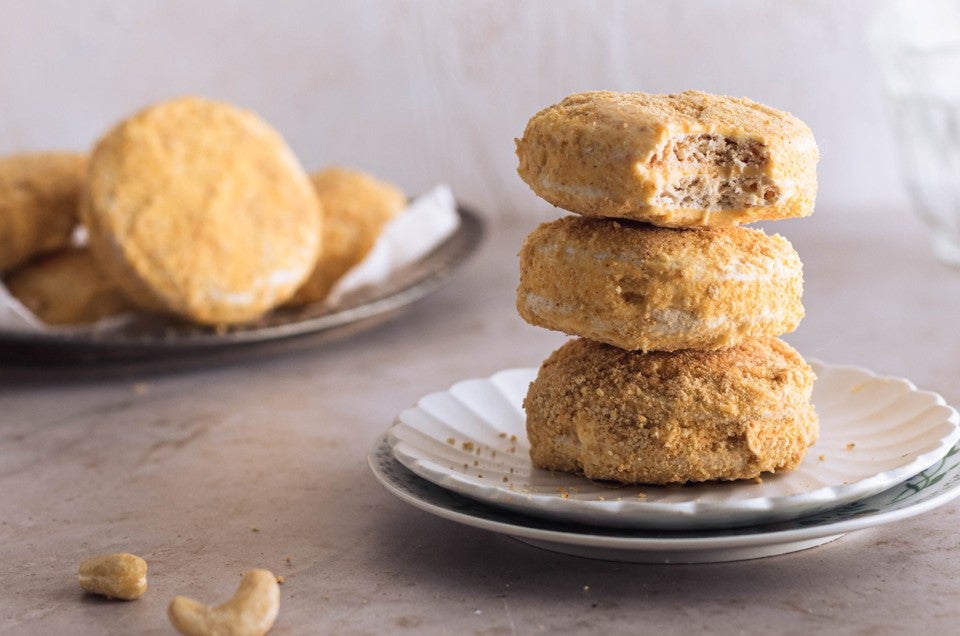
(641, 287)
(356, 207)
(200, 209)
(660, 418)
(66, 288)
(39, 195)
(684, 160)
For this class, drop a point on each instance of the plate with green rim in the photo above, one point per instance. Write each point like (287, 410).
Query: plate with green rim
(935, 486)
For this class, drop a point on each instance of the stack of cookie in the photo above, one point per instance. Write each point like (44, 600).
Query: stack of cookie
(678, 375)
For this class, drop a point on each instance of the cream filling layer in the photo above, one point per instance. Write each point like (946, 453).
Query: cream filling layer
(663, 322)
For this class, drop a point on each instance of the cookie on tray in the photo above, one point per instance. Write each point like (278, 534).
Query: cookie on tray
(66, 288)
(199, 209)
(356, 206)
(39, 195)
(665, 418)
(641, 287)
(684, 160)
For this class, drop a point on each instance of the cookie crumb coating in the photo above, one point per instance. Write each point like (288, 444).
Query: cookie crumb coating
(670, 418)
(199, 209)
(39, 201)
(684, 160)
(66, 288)
(641, 287)
(356, 206)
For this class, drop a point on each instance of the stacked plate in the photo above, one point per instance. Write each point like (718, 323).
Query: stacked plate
(886, 451)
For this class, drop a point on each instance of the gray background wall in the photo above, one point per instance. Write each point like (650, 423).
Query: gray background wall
(426, 91)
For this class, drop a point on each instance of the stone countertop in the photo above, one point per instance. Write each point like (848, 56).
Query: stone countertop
(217, 468)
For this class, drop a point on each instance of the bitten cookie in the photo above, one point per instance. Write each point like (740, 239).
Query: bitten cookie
(640, 287)
(200, 209)
(661, 418)
(356, 207)
(66, 288)
(39, 195)
(685, 160)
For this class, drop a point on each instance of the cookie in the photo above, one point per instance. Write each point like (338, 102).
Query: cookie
(66, 288)
(684, 160)
(356, 206)
(665, 418)
(641, 287)
(199, 209)
(39, 196)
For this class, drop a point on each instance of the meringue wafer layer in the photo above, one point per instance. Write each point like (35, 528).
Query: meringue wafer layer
(671, 417)
(641, 287)
(690, 159)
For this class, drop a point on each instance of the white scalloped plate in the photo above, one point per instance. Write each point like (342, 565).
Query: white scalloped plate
(875, 432)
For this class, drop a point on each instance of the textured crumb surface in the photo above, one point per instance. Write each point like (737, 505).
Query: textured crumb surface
(683, 160)
(39, 195)
(641, 287)
(66, 287)
(200, 209)
(356, 206)
(661, 418)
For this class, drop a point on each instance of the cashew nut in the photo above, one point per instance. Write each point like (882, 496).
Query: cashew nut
(251, 611)
(121, 575)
